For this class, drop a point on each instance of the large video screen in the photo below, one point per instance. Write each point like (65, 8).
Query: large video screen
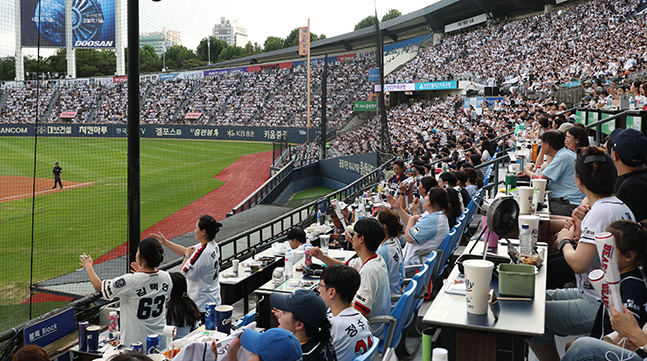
(43, 23)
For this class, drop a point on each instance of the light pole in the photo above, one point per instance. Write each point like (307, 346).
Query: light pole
(209, 50)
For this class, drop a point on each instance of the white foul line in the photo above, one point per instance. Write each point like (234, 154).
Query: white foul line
(45, 191)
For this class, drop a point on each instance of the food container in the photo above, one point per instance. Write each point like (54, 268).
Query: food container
(517, 280)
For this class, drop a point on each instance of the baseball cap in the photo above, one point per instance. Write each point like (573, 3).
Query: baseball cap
(305, 304)
(342, 205)
(631, 146)
(275, 344)
(565, 127)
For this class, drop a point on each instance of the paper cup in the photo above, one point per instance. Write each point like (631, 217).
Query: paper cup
(478, 274)
(93, 337)
(324, 241)
(533, 224)
(514, 168)
(539, 189)
(439, 354)
(525, 199)
(223, 318)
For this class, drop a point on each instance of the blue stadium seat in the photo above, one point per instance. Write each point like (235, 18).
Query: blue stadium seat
(371, 353)
(398, 318)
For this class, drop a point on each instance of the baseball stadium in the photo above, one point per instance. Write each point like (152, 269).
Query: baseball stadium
(355, 185)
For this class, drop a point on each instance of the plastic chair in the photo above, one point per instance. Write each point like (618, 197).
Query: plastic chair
(372, 351)
(399, 316)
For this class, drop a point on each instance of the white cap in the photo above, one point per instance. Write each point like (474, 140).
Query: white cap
(342, 205)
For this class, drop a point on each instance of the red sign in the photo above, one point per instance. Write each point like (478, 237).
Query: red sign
(120, 79)
(194, 116)
(269, 67)
(68, 115)
(342, 58)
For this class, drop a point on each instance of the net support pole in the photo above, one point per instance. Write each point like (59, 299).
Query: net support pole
(384, 133)
(133, 131)
(308, 85)
(20, 65)
(324, 105)
(119, 39)
(70, 54)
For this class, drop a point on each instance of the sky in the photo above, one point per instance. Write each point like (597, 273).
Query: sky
(195, 18)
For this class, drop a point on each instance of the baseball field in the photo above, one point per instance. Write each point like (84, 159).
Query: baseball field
(89, 214)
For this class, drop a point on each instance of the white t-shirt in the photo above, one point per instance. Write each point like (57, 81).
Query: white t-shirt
(350, 333)
(373, 297)
(602, 214)
(201, 271)
(143, 298)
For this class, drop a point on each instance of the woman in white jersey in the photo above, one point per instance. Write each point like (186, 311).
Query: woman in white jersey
(572, 311)
(200, 263)
(142, 295)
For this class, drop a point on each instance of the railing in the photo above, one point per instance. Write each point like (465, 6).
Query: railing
(493, 185)
(260, 193)
(598, 126)
(262, 236)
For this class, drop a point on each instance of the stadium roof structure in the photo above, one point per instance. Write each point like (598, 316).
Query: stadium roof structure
(428, 20)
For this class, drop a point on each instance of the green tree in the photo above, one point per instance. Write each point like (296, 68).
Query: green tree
(391, 14)
(253, 48)
(273, 43)
(147, 55)
(293, 38)
(91, 62)
(192, 63)
(176, 55)
(7, 68)
(231, 52)
(366, 22)
(216, 47)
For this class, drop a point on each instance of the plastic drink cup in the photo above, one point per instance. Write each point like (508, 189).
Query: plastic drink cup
(478, 274)
(324, 241)
(525, 199)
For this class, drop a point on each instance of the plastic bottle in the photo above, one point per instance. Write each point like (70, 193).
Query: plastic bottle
(318, 217)
(525, 240)
(308, 258)
(632, 103)
(289, 264)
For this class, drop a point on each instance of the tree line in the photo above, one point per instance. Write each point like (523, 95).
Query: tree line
(92, 62)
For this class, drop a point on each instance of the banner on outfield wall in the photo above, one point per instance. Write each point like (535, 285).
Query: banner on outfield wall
(238, 133)
(94, 25)
(225, 71)
(347, 169)
(478, 19)
(365, 106)
(436, 85)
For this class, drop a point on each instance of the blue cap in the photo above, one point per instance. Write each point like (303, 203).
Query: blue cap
(275, 344)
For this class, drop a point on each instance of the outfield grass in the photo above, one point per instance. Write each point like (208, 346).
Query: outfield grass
(308, 195)
(93, 219)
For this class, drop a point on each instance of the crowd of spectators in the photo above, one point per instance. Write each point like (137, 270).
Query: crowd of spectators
(596, 39)
(163, 100)
(79, 98)
(25, 105)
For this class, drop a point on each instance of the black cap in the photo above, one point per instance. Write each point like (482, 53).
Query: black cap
(306, 304)
(631, 146)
